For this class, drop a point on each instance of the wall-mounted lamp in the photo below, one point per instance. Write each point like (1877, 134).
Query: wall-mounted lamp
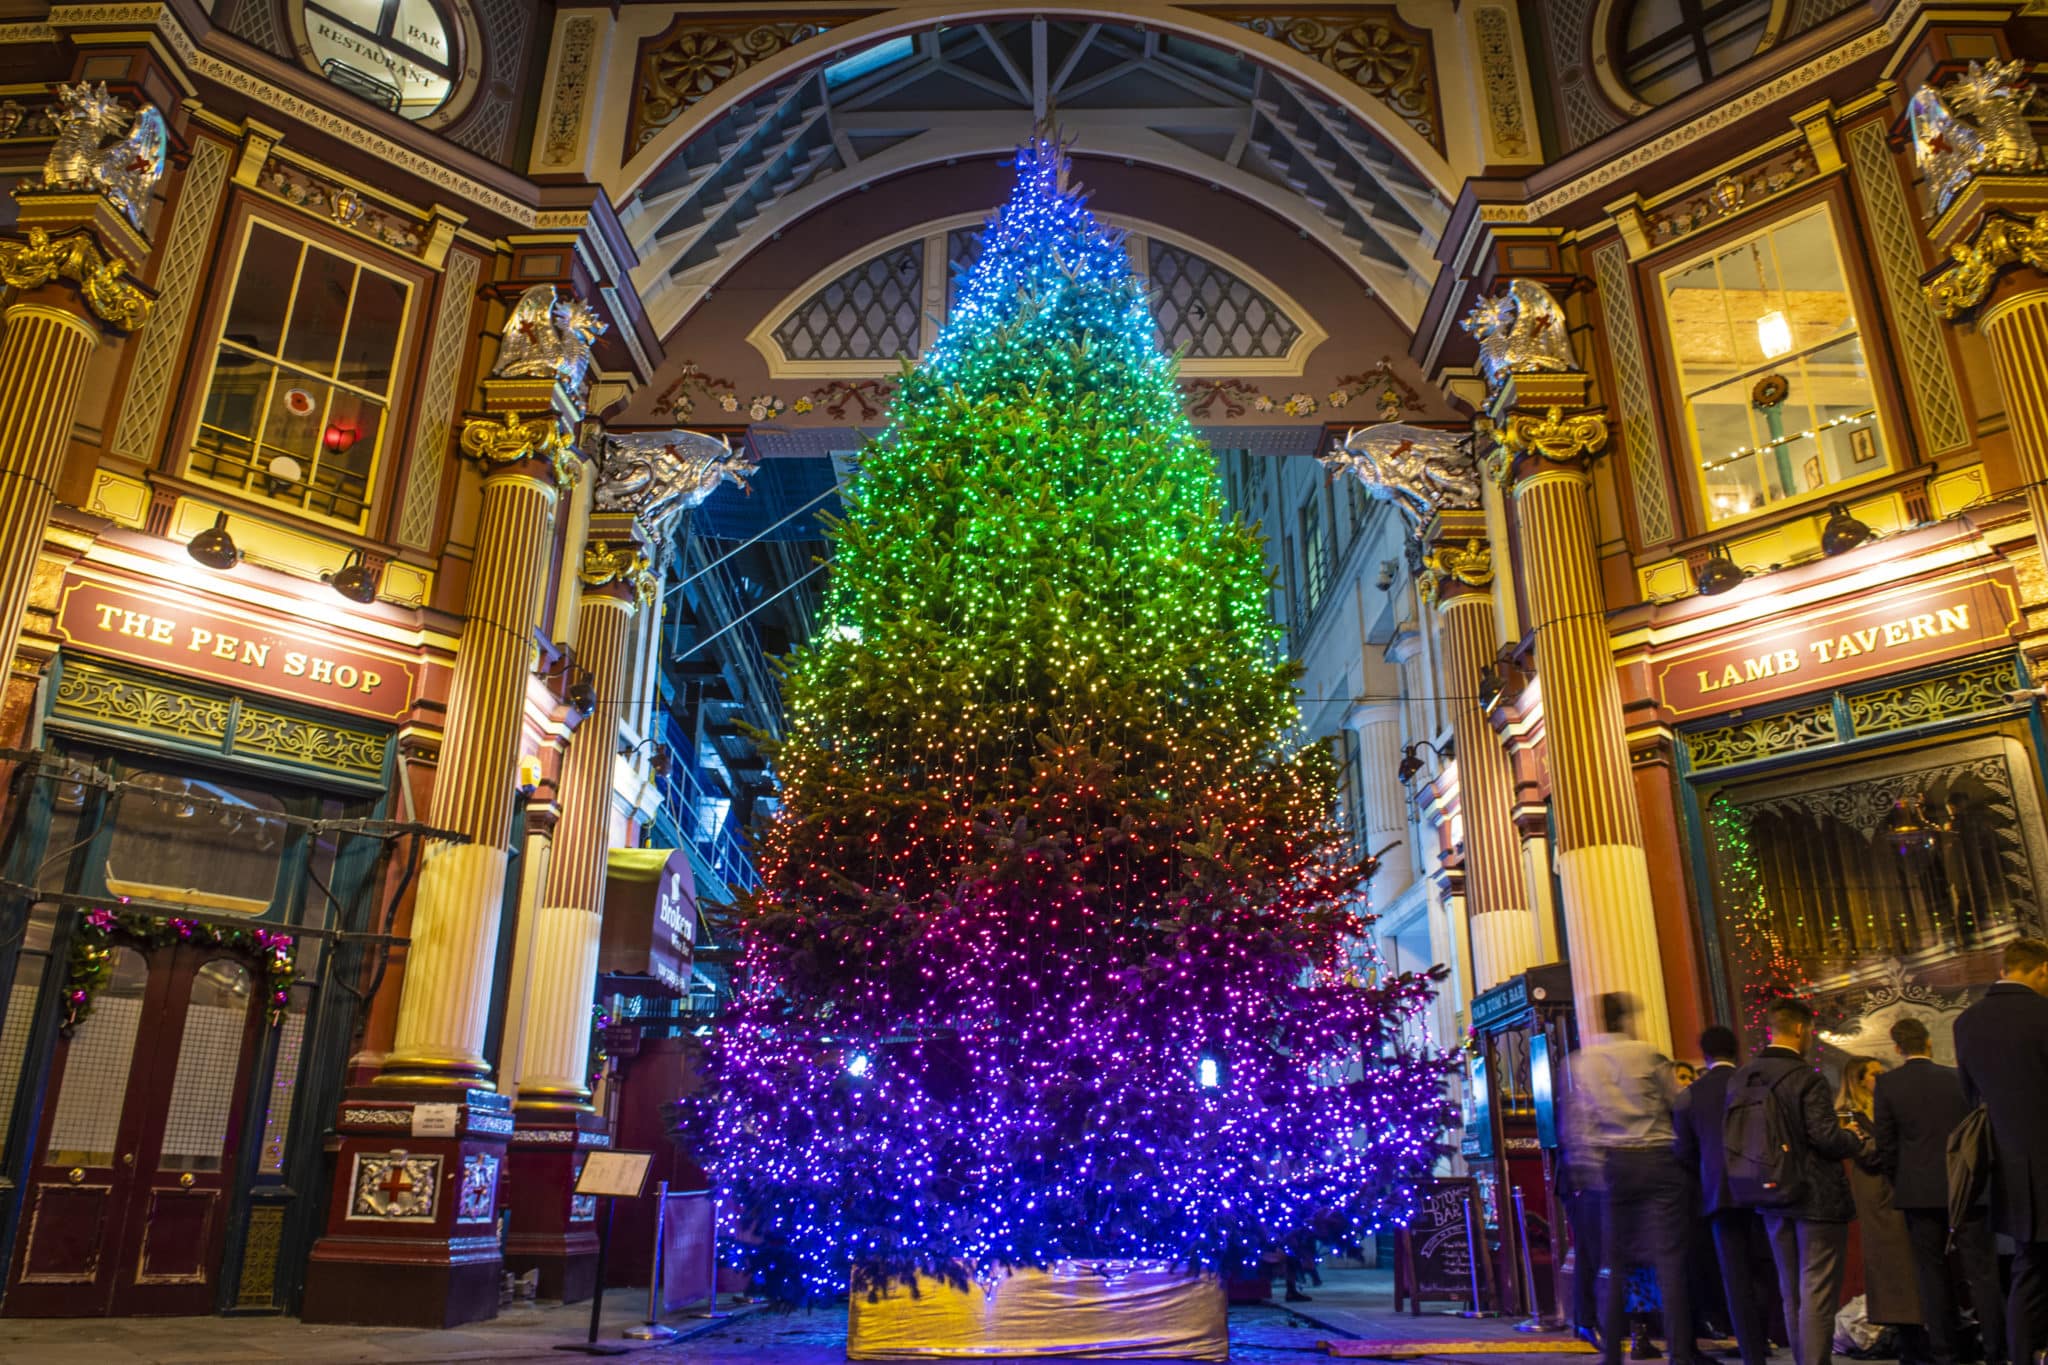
(1411, 761)
(1842, 532)
(582, 691)
(1719, 573)
(657, 760)
(354, 580)
(214, 547)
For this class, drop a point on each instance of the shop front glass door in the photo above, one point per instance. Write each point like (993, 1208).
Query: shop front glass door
(127, 1204)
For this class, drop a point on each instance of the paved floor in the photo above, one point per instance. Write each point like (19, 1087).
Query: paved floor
(1352, 1305)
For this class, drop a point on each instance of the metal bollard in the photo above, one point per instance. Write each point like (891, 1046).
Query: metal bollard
(654, 1329)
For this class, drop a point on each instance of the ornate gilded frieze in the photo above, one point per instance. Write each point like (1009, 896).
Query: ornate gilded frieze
(1765, 738)
(1975, 263)
(342, 205)
(76, 256)
(1420, 470)
(1731, 194)
(1371, 46)
(91, 693)
(1500, 80)
(1977, 123)
(274, 734)
(20, 123)
(563, 131)
(1962, 693)
(692, 58)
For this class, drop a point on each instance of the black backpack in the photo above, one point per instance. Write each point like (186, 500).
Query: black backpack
(1764, 1170)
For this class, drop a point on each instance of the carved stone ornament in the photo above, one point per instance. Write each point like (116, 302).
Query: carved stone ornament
(1522, 331)
(126, 172)
(606, 565)
(1976, 123)
(1553, 437)
(658, 475)
(693, 58)
(1419, 470)
(76, 257)
(1974, 265)
(549, 337)
(513, 440)
(1373, 47)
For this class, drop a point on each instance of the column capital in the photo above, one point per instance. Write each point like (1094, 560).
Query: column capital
(1454, 572)
(1996, 224)
(619, 569)
(1531, 443)
(77, 256)
(515, 444)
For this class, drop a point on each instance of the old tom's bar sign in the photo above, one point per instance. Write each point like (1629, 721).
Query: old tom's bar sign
(1884, 632)
(162, 631)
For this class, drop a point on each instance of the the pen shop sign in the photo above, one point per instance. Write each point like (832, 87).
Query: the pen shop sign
(270, 656)
(1873, 634)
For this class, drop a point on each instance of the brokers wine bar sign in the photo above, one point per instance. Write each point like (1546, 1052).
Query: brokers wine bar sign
(1867, 636)
(265, 656)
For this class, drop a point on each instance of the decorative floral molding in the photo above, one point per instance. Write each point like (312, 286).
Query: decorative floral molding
(1372, 47)
(1497, 75)
(1731, 194)
(1393, 396)
(341, 204)
(572, 84)
(691, 58)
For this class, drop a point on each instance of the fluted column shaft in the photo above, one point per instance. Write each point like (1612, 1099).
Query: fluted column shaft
(446, 994)
(1608, 911)
(2016, 329)
(43, 354)
(1503, 937)
(1386, 813)
(555, 1058)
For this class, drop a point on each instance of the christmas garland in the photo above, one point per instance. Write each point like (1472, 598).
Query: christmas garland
(92, 955)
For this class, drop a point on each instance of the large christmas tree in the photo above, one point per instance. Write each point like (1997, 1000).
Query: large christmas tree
(1057, 952)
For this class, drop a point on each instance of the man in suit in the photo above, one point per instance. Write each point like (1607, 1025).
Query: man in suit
(2002, 1055)
(1809, 1236)
(1918, 1104)
(1739, 1246)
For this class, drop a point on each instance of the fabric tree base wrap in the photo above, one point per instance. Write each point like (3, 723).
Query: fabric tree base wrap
(1073, 1309)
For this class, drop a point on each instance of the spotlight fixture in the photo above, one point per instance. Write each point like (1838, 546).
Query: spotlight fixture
(582, 693)
(355, 580)
(1411, 761)
(657, 757)
(1719, 573)
(214, 547)
(1842, 532)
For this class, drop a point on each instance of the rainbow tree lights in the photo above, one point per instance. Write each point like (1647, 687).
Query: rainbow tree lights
(1767, 972)
(1050, 957)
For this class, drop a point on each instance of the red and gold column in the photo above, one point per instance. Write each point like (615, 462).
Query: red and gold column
(1458, 572)
(554, 1117)
(412, 1222)
(1609, 914)
(1995, 235)
(69, 269)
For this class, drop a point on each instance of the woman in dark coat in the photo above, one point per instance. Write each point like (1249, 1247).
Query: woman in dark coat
(1891, 1290)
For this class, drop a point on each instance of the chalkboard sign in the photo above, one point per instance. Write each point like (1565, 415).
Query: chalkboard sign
(1433, 1254)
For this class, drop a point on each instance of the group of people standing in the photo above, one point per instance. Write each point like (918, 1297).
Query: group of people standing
(1776, 1164)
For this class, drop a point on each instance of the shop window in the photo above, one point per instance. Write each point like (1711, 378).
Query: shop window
(221, 852)
(397, 54)
(299, 396)
(20, 1016)
(209, 1058)
(1880, 885)
(1779, 401)
(284, 1085)
(87, 1123)
(1671, 46)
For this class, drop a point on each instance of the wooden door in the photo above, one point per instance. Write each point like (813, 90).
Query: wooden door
(126, 1210)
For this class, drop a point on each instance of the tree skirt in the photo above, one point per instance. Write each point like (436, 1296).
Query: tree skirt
(1077, 1309)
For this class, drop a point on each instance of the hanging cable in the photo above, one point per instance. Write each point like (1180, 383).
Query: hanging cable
(784, 591)
(758, 535)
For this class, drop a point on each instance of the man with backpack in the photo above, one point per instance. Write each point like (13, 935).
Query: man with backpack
(1739, 1246)
(1785, 1149)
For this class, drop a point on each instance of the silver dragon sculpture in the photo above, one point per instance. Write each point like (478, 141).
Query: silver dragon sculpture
(549, 336)
(1974, 124)
(1519, 332)
(1421, 470)
(126, 171)
(658, 475)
